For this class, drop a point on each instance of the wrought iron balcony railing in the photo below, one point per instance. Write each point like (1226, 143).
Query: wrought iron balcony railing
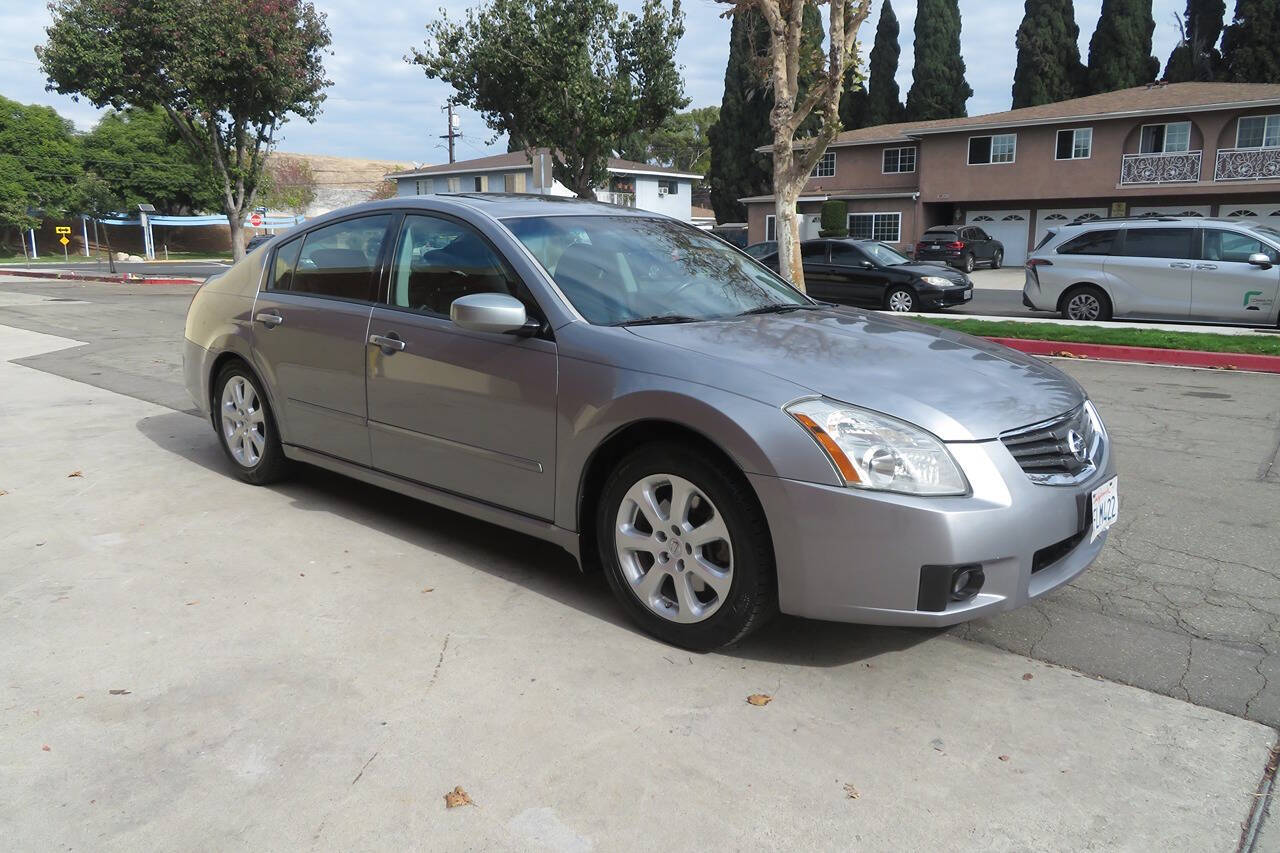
(1247, 164)
(1181, 167)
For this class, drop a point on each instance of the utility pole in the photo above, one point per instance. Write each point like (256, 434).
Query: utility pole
(453, 133)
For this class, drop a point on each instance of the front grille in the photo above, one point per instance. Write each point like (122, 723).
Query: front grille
(1060, 451)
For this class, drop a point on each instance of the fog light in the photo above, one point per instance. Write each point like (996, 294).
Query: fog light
(965, 582)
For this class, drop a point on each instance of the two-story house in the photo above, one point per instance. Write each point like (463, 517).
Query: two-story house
(1195, 149)
(656, 188)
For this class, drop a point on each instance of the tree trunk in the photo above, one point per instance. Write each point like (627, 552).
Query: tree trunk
(786, 192)
(237, 236)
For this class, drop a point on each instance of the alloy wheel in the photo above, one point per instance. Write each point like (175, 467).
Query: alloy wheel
(244, 424)
(674, 548)
(1084, 306)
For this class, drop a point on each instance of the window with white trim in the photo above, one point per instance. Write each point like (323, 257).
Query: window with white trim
(479, 183)
(1171, 138)
(898, 160)
(986, 150)
(668, 186)
(884, 227)
(1074, 144)
(1258, 132)
(825, 167)
(423, 186)
(770, 227)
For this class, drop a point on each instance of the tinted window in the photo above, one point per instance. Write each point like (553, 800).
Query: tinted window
(941, 236)
(978, 234)
(845, 254)
(813, 251)
(286, 260)
(1233, 247)
(438, 260)
(1158, 242)
(341, 260)
(1092, 243)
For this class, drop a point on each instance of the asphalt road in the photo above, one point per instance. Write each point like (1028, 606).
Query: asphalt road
(1185, 600)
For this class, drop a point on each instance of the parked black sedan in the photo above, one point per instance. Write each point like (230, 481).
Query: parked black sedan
(871, 274)
(961, 246)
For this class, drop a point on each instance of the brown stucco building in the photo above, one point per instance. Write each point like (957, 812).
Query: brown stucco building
(1198, 149)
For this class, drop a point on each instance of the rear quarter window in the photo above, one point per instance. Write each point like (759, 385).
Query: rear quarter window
(1092, 243)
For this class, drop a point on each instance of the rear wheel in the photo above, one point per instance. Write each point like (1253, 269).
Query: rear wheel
(246, 427)
(966, 263)
(901, 299)
(685, 547)
(997, 259)
(1086, 302)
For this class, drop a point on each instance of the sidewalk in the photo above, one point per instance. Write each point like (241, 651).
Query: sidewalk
(68, 274)
(316, 664)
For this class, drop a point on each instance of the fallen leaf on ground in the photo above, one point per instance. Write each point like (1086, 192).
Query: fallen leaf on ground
(118, 692)
(428, 589)
(1004, 757)
(3, 493)
(851, 792)
(1026, 676)
(75, 474)
(759, 699)
(45, 748)
(457, 797)
(189, 603)
(1062, 353)
(937, 744)
(80, 696)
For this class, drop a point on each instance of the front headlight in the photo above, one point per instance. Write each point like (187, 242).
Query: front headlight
(875, 451)
(937, 280)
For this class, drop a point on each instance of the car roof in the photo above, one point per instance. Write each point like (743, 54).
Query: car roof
(1153, 222)
(496, 206)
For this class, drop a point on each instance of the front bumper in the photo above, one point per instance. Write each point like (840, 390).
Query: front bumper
(851, 555)
(942, 298)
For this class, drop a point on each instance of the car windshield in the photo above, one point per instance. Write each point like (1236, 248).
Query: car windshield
(621, 269)
(883, 255)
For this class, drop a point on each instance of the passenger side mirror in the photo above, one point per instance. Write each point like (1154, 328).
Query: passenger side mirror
(1258, 259)
(496, 313)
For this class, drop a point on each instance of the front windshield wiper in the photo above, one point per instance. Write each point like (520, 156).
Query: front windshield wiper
(657, 320)
(778, 308)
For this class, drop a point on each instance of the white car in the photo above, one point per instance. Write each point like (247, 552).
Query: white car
(1178, 268)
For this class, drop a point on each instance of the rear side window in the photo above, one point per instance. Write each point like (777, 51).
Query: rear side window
(1233, 247)
(341, 260)
(1092, 243)
(286, 261)
(813, 251)
(1158, 243)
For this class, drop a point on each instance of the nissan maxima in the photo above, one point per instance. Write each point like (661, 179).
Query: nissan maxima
(659, 404)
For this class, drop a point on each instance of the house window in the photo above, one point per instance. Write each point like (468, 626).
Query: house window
(446, 185)
(1000, 148)
(479, 183)
(897, 160)
(1258, 132)
(884, 227)
(770, 227)
(825, 167)
(1074, 144)
(1171, 138)
(423, 186)
(668, 187)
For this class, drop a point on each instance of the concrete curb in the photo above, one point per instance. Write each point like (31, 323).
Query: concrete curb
(1147, 355)
(122, 278)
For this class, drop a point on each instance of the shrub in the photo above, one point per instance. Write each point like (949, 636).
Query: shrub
(835, 219)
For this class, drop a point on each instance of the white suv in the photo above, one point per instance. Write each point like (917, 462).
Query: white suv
(1158, 268)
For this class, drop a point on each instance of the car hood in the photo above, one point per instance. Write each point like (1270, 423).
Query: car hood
(958, 387)
(938, 269)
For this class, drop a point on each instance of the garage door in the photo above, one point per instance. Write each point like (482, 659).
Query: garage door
(1047, 218)
(1258, 214)
(1010, 227)
(1169, 210)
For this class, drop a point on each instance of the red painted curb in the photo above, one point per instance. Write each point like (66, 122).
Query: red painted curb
(124, 278)
(1147, 355)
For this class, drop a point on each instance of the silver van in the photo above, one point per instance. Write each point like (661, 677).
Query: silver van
(1158, 268)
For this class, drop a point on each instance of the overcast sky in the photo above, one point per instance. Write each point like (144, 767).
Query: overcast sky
(381, 107)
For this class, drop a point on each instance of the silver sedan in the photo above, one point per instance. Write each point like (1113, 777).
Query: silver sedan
(660, 405)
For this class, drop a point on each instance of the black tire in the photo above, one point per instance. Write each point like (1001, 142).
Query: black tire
(752, 596)
(271, 465)
(903, 297)
(1085, 291)
(967, 263)
(997, 259)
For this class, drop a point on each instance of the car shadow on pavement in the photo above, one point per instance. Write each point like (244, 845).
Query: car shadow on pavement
(540, 567)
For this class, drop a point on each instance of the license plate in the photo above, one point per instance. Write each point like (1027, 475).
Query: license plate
(935, 246)
(1106, 506)
(968, 294)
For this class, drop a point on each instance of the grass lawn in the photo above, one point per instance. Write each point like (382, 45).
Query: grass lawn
(1253, 344)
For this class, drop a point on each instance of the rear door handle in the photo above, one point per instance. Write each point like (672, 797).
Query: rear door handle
(269, 319)
(1206, 266)
(389, 343)
(1179, 265)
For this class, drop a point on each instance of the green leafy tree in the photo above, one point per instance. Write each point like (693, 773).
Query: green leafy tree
(1049, 67)
(40, 171)
(138, 157)
(879, 101)
(288, 183)
(1120, 49)
(680, 142)
(1250, 47)
(1196, 55)
(938, 85)
(227, 72)
(574, 76)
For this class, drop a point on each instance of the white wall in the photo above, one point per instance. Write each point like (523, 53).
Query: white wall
(679, 204)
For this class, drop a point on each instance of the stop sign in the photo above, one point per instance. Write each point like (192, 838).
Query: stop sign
(256, 220)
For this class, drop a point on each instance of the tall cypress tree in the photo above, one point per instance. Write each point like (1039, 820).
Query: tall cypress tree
(938, 87)
(1250, 49)
(1049, 67)
(1196, 57)
(1120, 50)
(737, 169)
(884, 103)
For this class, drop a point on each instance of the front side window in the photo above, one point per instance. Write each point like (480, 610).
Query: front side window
(843, 254)
(1171, 138)
(898, 160)
(1158, 243)
(1092, 243)
(825, 167)
(342, 260)
(985, 150)
(623, 269)
(1075, 144)
(1258, 132)
(437, 260)
(886, 227)
(1234, 247)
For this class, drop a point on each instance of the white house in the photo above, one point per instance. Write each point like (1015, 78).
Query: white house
(656, 188)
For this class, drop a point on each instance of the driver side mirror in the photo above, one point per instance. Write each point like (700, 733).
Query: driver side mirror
(1258, 259)
(868, 265)
(495, 313)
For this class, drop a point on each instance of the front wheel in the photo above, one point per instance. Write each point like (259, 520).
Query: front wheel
(246, 427)
(900, 299)
(685, 547)
(997, 259)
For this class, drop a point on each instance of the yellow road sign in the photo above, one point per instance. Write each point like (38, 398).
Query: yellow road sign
(62, 229)
(63, 240)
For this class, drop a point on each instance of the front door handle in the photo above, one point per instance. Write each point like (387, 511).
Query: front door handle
(389, 343)
(1206, 266)
(269, 319)
(1180, 265)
